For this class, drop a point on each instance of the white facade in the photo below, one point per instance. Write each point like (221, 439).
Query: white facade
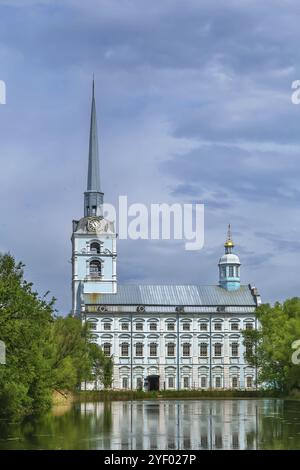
(190, 350)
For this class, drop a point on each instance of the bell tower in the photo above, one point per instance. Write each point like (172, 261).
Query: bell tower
(94, 252)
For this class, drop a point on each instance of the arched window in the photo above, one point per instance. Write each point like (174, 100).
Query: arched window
(95, 247)
(95, 268)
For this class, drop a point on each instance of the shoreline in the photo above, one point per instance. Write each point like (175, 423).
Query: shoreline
(85, 396)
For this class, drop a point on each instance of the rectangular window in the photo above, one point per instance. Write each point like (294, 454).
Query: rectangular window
(171, 382)
(94, 208)
(92, 326)
(139, 349)
(170, 349)
(249, 326)
(203, 349)
(153, 349)
(235, 441)
(107, 326)
(218, 382)
(234, 326)
(139, 326)
(186, 349)
(218, 441)
(249, 347)
(203, 326)
(249, 382)
(153, 326)
(186, 327)
(170, 326)
(186, 382)
(234, 382)
(203, 382)
(218, 326)
(235, 349)
(107, 349)
(231, 272)
(218, 349)
(139, 383)
(125, 326)
(125, 382)
(124, 349)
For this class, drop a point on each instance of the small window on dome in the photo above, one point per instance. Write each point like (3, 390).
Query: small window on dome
(231, 271)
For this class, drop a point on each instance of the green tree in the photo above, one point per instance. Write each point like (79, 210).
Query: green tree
(44, 352)
(102, 366)
(25, 324)
(272, 344)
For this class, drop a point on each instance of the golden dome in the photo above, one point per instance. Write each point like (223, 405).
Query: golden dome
(229, 244)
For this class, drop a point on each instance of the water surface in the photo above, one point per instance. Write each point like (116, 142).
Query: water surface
(164, 424)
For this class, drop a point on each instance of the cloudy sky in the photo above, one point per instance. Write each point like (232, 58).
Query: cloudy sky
(194, 105)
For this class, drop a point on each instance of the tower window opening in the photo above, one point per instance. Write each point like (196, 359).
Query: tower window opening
(95, 247)
(95, 268)
(94, 210)
(231, 271)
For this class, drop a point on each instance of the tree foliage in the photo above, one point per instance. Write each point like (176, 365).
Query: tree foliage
(43, 352)
(272, 345)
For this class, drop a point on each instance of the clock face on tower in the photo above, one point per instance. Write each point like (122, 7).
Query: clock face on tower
(96, 225)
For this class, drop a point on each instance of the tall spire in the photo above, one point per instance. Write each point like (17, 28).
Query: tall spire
(93, 197)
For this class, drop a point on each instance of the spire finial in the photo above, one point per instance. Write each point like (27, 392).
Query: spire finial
(93, 94)
(229, 242)
(229, 232)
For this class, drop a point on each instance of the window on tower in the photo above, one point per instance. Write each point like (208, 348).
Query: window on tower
(95, 247)
(231, 271)
(95, 268)
(94, 210)
(223, 271)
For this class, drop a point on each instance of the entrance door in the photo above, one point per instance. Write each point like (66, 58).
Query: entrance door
(153, 382)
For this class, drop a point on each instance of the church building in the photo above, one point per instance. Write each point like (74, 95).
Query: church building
(160, 336)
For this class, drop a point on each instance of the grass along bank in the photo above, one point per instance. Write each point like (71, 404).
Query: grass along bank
(113, 395)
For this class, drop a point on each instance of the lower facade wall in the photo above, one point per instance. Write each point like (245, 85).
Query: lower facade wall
(226, 377)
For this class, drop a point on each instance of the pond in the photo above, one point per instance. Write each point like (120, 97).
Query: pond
(161, 424)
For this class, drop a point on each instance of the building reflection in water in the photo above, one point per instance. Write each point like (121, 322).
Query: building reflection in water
(178, 424)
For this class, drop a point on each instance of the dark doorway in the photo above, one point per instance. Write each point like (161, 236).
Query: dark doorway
(153, 383)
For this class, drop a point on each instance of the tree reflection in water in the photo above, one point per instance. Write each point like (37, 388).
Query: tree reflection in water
(164, 424)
